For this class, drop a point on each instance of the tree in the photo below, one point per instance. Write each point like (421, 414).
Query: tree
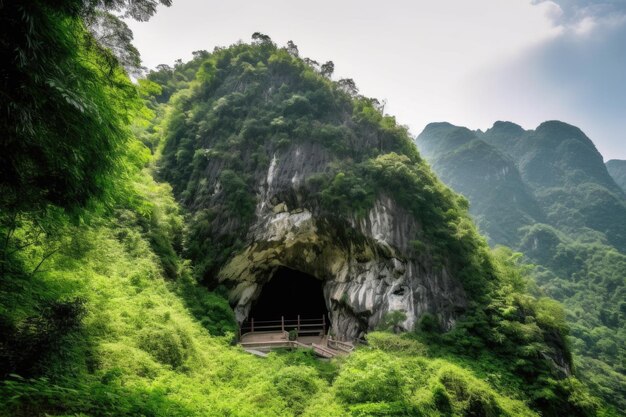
(140, 10)
(327, 69)
(312, 63)
(292, 48)
(114, 34)
(200, 54)
(262, 38)
(65, 102)
(348, 85)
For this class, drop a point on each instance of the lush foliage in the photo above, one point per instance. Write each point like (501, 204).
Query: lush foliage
(244, 105)
(64, 108)
(126, 341)
(66, 102)
(548, 194)
(99, 313)
(241, 107)
(617, 170)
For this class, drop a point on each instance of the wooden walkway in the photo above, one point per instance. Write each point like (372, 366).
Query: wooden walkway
(263, 336)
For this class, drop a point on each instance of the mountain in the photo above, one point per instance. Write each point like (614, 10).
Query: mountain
(280, 168)
(568, 177)
(501, 202)
(287, 176)
(282, 193)
(617, 170)
(547, 193)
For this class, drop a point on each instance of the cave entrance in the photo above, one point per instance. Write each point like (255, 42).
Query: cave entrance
(290, 300)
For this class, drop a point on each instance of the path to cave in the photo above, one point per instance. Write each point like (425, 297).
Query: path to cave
(291, 300)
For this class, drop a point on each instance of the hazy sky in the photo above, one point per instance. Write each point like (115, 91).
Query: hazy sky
(467, 62)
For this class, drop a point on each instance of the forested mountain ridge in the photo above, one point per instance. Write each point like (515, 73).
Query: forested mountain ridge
(570, 223)
(501, 202)
(617, 170)
(567, 174)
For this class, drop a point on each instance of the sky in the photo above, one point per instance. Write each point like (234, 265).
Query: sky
(470, 63)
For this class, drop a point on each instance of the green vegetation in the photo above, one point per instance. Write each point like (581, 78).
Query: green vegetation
(249, 104)
(617, 170)
(123, 341)
(546, 193)
(101, 315)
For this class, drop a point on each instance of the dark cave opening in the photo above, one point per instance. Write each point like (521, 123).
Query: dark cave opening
(290, 293)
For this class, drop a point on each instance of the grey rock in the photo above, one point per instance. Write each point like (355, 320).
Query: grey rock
(367, 265)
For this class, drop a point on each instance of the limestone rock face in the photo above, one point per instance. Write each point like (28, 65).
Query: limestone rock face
(367, 265)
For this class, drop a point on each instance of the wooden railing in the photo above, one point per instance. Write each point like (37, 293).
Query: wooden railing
(304, 326)
(345, 347)
(323, 351)
(274, 344)
(319, 350)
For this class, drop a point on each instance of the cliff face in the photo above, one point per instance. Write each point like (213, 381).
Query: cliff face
(281, 167)
(366, 263)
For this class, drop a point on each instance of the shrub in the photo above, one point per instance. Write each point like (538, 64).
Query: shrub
(429, 323)
(382, 409)
(293, 334)
(28, 342)
(391, 321)
(468, 396)
(167, 345)
(396, 344)
(370, 377)
(297, 385)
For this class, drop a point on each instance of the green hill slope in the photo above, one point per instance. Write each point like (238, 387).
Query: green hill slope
(102, 315)
(251, 104)
(151, 346)
(617, 170)
(570, 224)
(569, 179)
(501, 203)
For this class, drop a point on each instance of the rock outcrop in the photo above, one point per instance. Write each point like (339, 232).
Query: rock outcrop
(367, 264)
(278, 166)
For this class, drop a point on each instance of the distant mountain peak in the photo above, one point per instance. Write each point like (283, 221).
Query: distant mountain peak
(432, 125)
(506, 127)
(440, 136)
(556, 128)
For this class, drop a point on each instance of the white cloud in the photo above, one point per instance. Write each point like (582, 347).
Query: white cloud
(585, 26)
(579, 77)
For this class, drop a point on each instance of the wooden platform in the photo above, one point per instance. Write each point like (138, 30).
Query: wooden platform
(262, 342)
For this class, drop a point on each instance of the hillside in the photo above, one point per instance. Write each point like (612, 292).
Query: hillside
(569, 222)
(617, 170)
(568, 177)
(146, 345)
(501, 203)
(287, 169)
(133, 333)
(123, 295)
(281, 167)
